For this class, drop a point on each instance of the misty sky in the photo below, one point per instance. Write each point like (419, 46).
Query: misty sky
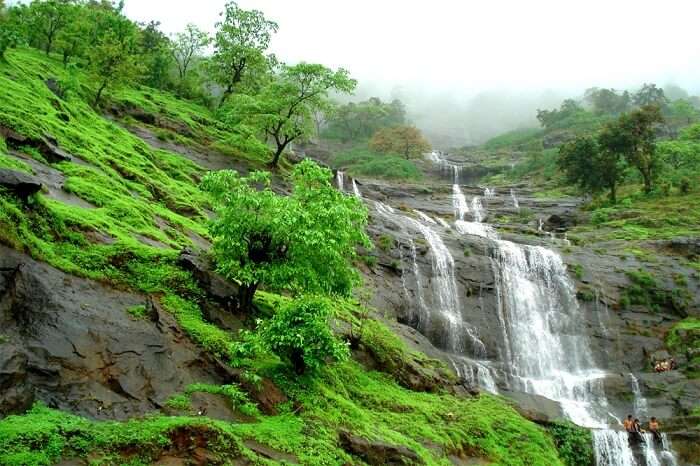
(450, 51)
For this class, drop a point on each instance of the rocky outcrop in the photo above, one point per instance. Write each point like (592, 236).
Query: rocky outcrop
(222, 291)
(46, 144)
(18, 183)
(378, 453)
(70, 343)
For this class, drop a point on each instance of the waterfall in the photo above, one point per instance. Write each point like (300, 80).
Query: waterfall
(489, 193)
(424, 217)
(340, 180)
(459, 202)
(516, 204)
(640, 403)
(356, 189)
(477, 209)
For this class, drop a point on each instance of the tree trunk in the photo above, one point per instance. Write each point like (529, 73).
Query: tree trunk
(98, 96)
(613, 193)
(646, 174)
(246, 293)
(297, 360)
(278, 153)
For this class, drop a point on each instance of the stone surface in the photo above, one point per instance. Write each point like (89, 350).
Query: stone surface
(20, 184)
(222, 291)
(46, 144)
(377, 453)
(70, 343)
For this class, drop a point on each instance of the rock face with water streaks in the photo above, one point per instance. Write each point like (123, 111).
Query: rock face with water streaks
(622, 341)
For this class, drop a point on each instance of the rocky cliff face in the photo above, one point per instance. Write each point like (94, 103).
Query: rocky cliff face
(625, 338)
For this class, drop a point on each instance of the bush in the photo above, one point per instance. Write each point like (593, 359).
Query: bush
(685, 185)
(300, 334)
(575, 444)
(360, 161)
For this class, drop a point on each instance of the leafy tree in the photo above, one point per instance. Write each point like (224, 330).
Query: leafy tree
(362, 119)
(649, 94)
(9, 32)
(682, 112)
(300, 333)
(592, 169)
(407, 141)
(154, 51)
(284, 109)
(70, 40)
(551, 118)
(607, 100)
(241, 40)
(113, 58)
(304, 242)
(48, 18)
(633, 136)
(187, 46)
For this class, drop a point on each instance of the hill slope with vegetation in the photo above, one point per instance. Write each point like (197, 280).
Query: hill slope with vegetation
(103, 244)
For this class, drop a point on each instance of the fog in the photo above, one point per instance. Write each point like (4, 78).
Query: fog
(470, 69)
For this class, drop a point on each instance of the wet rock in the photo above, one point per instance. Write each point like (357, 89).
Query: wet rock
(270, 453)
(46, 144)
(536, 408)
(55, 87)
(70, 343)
(376, 452)
(686, 247)
(223, 291)
(21, 184)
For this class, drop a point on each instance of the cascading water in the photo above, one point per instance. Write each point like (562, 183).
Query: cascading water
(340, 180)
(513, 198)
(545, 352)
(355, 189)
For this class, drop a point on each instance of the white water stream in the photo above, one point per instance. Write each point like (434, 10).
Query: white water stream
(544, 351)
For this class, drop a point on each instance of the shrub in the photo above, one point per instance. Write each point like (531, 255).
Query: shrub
(574, 443)
(685, 185)
(300, 334)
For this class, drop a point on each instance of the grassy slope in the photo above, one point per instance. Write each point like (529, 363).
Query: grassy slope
(137, 190)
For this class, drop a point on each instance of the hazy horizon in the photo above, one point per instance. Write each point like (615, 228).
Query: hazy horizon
(473, 69)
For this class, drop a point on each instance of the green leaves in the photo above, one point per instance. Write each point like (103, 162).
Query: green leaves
(304, 242)
(300, 334)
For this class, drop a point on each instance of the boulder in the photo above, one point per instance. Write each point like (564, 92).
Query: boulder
(223, 291)
(19, 183)
(46, 144)
(377, 453)
(535, 407)
(70, 343)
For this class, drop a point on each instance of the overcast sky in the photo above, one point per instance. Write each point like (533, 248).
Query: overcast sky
(470, 69)
(475, 45)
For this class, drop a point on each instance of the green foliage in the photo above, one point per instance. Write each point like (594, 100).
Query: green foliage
(356, 121)
(645, 291)
(138, 312)
(304, 242)
(608, 101)
(300, 334)
(590, 166)
(187, 46)
(283, 110)
(385, 242)
(574, 443)
(684, 339)
(578, 271)
(180, 402)
(360, 161)
(240, 43)
(10, 35)
(515, 139)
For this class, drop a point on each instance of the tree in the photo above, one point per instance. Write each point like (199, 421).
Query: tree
(407, 141)
(551, 118)
(283, 110)
(154, 50)
(360, 120)
(682, 112)
(649, 94)
(187, 46)
(113, 58)
(300, 333)
(9, 32)
(241, 40)
(633, 136)
(304, 242)
(48, 18)
(70, 40)
(592, 169)
(607, 101)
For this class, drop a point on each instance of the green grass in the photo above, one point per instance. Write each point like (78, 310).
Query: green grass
(514, 139)
(360, 161)
(684, 336)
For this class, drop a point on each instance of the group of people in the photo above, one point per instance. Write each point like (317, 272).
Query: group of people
(635, 431)
(665, 365)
